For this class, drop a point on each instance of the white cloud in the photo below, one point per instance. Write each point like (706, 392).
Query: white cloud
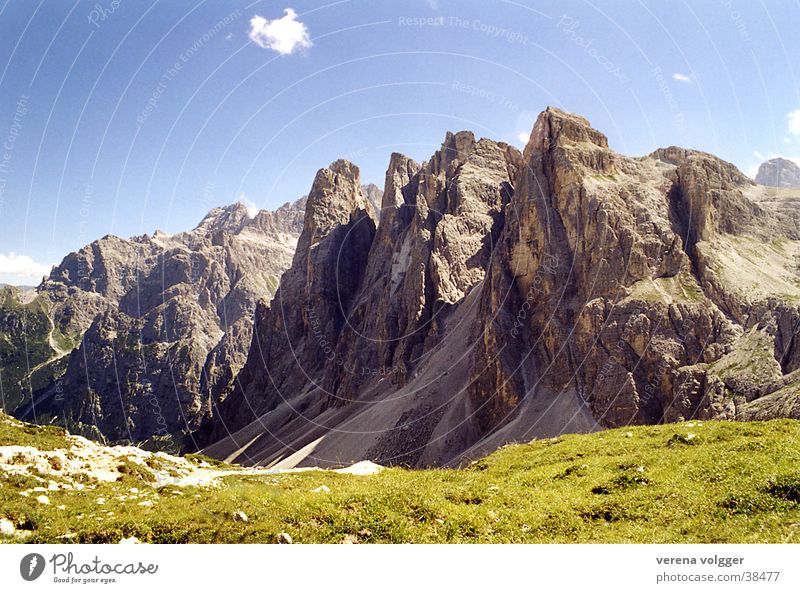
(284, 35)
(524, 137)
(794, 122)
(681, 77)
(759, 156)
(252, 209)
(22, 269)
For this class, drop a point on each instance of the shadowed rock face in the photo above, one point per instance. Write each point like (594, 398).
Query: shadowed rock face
(145, 333)
(508, 296)
(295, 335)
(779, 172)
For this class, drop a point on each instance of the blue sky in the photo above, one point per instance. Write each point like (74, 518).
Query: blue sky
(123, 116)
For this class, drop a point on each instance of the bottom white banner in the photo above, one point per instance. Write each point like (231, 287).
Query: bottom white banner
(388, 568)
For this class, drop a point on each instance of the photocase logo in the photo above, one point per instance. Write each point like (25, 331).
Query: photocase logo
(31, 566)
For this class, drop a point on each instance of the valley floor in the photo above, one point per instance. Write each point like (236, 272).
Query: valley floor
(685, 483)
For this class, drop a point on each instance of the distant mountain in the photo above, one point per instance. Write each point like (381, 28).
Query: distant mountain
(507, 296)
(779, 172)
(374, 196)
(129, 340)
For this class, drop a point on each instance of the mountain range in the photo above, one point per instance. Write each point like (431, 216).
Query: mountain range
(506, 296)
(485, 296)
(130, 340)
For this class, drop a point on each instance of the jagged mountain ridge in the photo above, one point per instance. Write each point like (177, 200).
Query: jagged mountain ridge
(508, 296)
(138, 335)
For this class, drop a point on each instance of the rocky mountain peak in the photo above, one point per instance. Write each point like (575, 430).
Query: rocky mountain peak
(374, 196)
(456, 147)
(231, 219)
(285, 223)
(726, 175)
(398, 175)
(335, 196)
(562, 140)
(779, 172)
(556, 127)
(360, 308)
(709, 195)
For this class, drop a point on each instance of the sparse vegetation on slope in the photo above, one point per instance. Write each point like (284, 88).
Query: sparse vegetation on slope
(25, 346)
(688, 482)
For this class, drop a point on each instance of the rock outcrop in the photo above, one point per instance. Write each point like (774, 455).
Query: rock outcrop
(779, 172)
(140, 336)
(509, 296)
(299, 329)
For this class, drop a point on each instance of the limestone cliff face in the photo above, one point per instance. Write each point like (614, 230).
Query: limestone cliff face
(645, 294)
(296, 334)
(508, 296)
(146, 333)
(439, 222)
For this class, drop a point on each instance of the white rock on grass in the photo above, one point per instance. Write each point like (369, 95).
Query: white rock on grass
(362, 468)
(130, 540)
(7, 527)
(284, 538)
(240, 517)
(43, 499)
(322, 489)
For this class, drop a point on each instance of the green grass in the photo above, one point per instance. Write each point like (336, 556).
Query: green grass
(45, 438)
(681, 288)
(688, 482)
(612, 177)
(63, 341)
